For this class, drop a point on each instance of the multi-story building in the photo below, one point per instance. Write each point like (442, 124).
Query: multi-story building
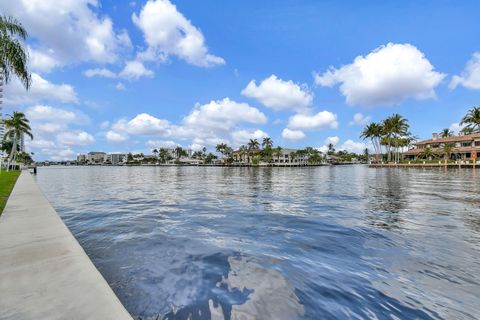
(116, 158)
(81, 158)
(463, 147)
(96, 157)
(286, 157)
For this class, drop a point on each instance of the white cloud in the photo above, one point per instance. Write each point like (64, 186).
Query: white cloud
(40, 90)
(223, 114)
(320, 120)
(386, 76)
(134, 70)
(43, 112)
(75, 138)
(54, 132)
(143, 124)
(168, 32)
(68, 31)
(292, 134)
(333, 140)
(352, 146)
(206, 125)
(155, 144)
(116, 137)
(42, 61)
(456, 127)
(100, 72)
(359, 119)
(120, 86)
(278, 94)
(470, 76)
(243, 136)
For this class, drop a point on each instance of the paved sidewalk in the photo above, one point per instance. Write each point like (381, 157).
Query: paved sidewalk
(44, 272)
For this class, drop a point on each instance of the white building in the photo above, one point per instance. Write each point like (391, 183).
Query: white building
(96, 157)
(116, 158)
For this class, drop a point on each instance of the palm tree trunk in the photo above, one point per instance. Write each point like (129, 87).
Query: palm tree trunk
(13, 151)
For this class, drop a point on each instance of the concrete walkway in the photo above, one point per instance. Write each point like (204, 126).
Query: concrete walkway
(44, 272)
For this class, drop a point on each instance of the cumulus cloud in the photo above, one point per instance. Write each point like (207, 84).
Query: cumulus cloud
(223, 114)
(206, 125)
(243, 136)
(352, 146)
(359, 119)
(456, 127)
(68, 31)
(292, 134)
(40, 90)
(134, 70)
(115, 137)
(155, 144)
(470, 76)
(386, 76)
(167, 32)
(75, 138)
(320, 120)
(100, 72)
(333, 140)
(41, 61)
(55, 132)
(278, 94)
(143, 124)
(43, 112)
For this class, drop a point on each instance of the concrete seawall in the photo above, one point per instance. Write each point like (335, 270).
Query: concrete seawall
(44, 272)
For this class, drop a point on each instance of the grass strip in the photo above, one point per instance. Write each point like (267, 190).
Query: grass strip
(7, 181)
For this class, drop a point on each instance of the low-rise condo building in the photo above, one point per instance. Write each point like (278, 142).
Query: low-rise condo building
(96, 157)
(462, 147)
(286, 157)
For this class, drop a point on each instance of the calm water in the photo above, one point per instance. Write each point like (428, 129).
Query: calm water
(278, 243)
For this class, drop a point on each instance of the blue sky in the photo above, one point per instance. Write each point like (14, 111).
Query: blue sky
(130, 76)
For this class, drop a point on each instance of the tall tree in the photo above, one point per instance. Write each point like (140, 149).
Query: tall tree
(253, 145)
(16, 126)
(267, 142)
(277, 151)
(13, 54)
(472, 119)
(446, 132)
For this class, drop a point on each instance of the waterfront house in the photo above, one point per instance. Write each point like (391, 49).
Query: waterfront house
(286, 157)
(463, 147)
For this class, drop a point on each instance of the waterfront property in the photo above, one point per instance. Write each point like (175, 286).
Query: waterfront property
(282, 157)
(462, 147)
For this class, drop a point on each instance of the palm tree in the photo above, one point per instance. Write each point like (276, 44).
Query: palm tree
(253, 144)
(221, 148)
(277, 152)
(13, 55)
(163, 154)
(427, 153)
(155, 152)
(446, 133)
(243, 151)
(447, 151)
(179, 152)
(331, 149)
(267, 142)
(16, 126)
(395, 127)
(374, 132)
(472, 119)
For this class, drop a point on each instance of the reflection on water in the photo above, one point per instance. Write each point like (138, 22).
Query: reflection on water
(278, 243)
